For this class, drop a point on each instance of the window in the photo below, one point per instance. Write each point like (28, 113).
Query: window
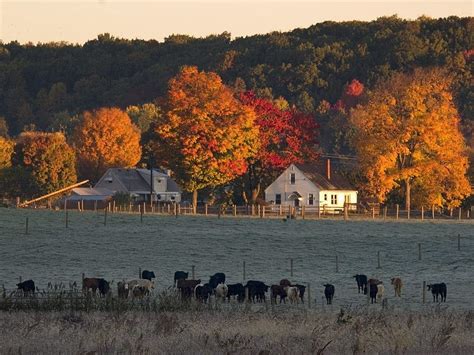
(292, 178)
(310, 199)
(333, 199)
(325, 197)
(278, 199)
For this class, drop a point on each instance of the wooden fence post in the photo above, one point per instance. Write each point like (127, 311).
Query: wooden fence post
(337, 264)
(433, 212)
(139, 272)
(291, 267)
(67, 219)
(346, 212)
(279, 211)
(205, 209)
(193, 272)
(179, 210)
(422, 213)
(235, 210)
(141, 214)
(408, 213)
(78, 206)
(308, 287)
(373, 212)
(105, 216)
(258, 210)
(423, 294)
(244, 276)
(460, 213)
(398, 210)
(319, 212)
(385, 213)
(302, 211)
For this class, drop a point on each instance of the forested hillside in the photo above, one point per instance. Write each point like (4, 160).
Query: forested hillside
(46, 84)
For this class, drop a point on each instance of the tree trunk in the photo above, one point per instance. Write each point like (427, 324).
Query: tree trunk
(407, 194)
(255, 193)
(195, 200)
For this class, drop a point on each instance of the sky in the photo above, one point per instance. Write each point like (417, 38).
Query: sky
(78, 21)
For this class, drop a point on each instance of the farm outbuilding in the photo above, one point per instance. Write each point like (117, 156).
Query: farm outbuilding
(311, 184)
(88, 198)
(140, 183)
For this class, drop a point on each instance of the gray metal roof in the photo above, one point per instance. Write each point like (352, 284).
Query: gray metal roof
(316, 172)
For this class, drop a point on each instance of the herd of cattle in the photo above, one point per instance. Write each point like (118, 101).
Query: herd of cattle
(254, 291)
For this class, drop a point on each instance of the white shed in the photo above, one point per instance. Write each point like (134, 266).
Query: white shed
(311, 184)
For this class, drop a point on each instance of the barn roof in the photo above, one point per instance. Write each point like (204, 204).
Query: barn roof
(316, 173)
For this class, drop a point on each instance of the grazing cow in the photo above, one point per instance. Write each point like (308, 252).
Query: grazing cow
(221, 291)
(373, 289)
(397, 286)
(146, 285)
(236, 290)
(361, 283)
(278, 290)
(292, 293)
(374, 282)
(301, 291)
(329, 293)
(148, 275)
(186, 287)
(93, 284)
(216, 279)
(380, 291)
(257, 290)
(203, 292)
(122, 289)
(139, 291)
(27, 287)
(438, 290)
(180, 275)
(285, 282)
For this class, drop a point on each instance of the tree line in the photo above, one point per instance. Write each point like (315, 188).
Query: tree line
(314, 77)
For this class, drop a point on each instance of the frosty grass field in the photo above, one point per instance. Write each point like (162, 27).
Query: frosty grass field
(52, 253)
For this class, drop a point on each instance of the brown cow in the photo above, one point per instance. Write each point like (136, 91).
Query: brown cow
(186, 287)
(285, 282)
(397, 286)
(278, 290)
(94, 284)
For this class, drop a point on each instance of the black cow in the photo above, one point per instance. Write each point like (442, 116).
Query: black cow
(236, 290)
(438, 290)
(329, 293)
(216, 279)
(361, 283)
(180, 275)
(256, 290)
(104, 287)
(374, 289)
(203, 292)
(148, 275)
(27, 287)
(302, 290)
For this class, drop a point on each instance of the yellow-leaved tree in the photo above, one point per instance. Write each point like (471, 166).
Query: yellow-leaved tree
(407, 136)
(105, 138)
(205, 135)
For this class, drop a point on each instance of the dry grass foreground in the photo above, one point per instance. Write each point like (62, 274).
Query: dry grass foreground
(237, 331)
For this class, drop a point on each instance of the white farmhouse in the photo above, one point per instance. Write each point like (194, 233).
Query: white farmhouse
(311, 185)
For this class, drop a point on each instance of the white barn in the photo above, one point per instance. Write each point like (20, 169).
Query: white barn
(311, 185)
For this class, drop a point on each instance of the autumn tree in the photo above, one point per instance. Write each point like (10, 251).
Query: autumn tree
(408, 137)
(105, 138)
(6, 151)
(286, 136)
(205, 135)
(44, 162)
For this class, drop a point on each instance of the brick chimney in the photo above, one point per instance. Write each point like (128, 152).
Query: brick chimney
(328, 169)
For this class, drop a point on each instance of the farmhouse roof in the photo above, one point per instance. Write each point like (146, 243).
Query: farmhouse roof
(317, 174)
(138, 180)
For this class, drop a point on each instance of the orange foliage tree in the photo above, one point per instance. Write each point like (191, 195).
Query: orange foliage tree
(6, 151)
(206, 135)
(407, 136)
(44, 161)
(105, 138)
